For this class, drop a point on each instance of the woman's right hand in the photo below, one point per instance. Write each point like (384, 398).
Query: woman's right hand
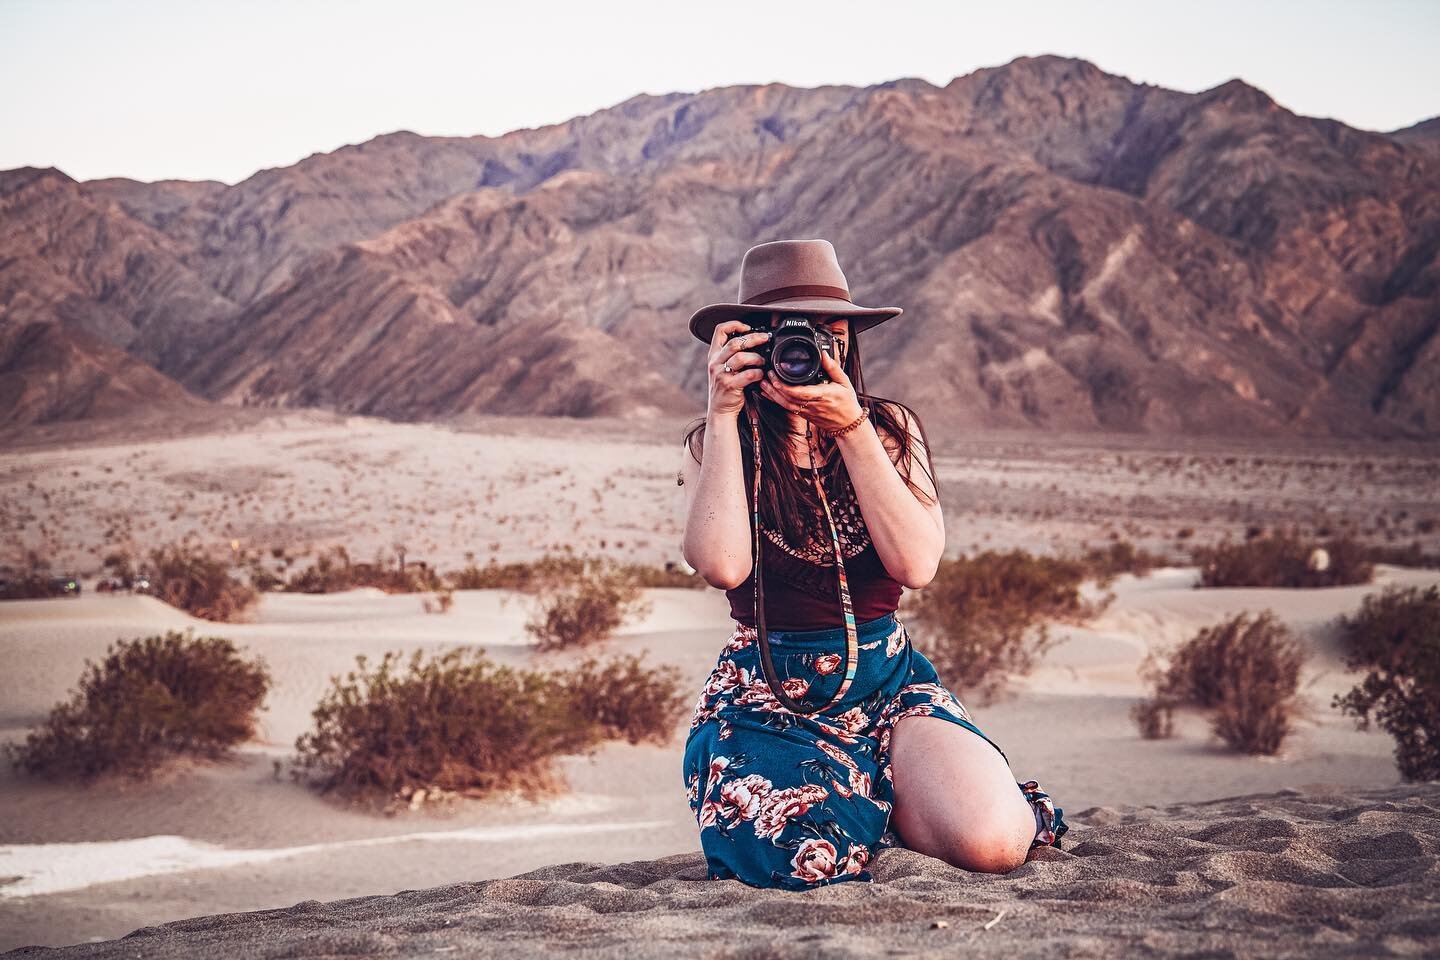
(727, 388)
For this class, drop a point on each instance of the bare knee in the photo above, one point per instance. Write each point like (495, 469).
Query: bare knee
(1002, 844)
(991, 853)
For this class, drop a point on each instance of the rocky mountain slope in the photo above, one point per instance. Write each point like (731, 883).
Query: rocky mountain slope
(1073, 250)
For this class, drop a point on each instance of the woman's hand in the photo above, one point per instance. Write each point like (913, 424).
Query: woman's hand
(727, 387)
(828, 406)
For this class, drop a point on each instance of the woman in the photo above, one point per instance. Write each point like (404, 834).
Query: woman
(846, 740)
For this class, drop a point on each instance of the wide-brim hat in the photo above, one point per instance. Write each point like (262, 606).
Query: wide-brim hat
(794, 276)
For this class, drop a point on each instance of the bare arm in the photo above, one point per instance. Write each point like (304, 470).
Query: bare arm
(909, 535)
(717, 527)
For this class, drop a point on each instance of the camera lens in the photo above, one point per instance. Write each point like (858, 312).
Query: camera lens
(797, 360)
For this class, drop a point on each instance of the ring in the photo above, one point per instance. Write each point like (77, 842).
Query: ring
(727, 368)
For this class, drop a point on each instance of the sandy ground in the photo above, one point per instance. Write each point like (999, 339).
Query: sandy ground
(82, 864)
(514, 488)
(1286, 874)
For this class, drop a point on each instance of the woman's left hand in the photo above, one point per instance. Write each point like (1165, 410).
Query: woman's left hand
(828, 406)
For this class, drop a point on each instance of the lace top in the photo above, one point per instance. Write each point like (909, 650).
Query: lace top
(802, 590)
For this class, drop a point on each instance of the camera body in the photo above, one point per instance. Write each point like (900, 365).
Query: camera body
(794, 348)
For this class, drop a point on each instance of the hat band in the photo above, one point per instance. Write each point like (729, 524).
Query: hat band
(799, 290)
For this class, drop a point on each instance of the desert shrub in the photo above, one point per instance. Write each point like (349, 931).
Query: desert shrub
(1247, 670)
(439, 602)
(457, 722)
(186, 577)
(625, 699)
(1155, 718)
(578, 606)
(1283, 559)
(531, 575)
(1120, 556)
(30, 579)
(334, 571)
(1396, 637)
(983, 618)
(149, 700)
(527, 575)
(1410, 555)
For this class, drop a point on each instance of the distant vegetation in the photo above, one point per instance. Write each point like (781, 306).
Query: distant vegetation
(1284, 559)
(530, 575)
(150, 700)
(984, 618)
(1396, 638)
(187, 577)
(457, 723)
(576, 606)
(1247, 671)
(333, 571)
(1121, 556)
(31, 579)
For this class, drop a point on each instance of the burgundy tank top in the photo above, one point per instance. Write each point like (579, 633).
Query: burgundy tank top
(802, 591)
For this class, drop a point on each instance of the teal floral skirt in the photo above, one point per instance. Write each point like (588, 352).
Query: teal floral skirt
(785, 800)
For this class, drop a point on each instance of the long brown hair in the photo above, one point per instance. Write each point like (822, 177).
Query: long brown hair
(787, 500)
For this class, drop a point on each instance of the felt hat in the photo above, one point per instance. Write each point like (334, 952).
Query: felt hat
(793, 276)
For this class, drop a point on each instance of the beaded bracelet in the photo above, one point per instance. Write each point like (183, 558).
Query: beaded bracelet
(835, 434)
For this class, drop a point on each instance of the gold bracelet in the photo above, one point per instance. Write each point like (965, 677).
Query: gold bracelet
(836, 434)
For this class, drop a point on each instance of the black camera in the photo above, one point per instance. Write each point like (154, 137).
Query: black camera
(793, 350)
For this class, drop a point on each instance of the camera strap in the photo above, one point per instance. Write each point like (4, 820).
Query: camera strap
(852, 641)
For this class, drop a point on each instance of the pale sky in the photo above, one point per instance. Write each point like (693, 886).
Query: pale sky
(207, 90)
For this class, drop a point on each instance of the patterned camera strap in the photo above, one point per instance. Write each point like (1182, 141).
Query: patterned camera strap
(852, 641)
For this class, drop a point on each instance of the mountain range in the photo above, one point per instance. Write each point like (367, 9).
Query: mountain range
(1073, 250)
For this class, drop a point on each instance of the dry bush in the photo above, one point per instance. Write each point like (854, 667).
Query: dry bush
(983, 618)
(625, 699)
(151, 699)
(1121, 556)
(334, 571)
(529, 575)
(579, 606)
(441, 602)
(1396, 637)
(184, 576)
(1246, 670)
(1155, 718)
(526, 575)
(1283, 559)
(457, 722)
(30, 579)
(1410, 555)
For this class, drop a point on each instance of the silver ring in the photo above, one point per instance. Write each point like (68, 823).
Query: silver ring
(727, 368)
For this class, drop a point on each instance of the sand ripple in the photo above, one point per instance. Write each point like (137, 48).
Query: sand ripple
(1286, 874)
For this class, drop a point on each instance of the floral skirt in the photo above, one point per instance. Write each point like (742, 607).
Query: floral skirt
(785, 800)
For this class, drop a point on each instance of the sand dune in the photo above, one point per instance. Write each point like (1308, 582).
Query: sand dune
(1285, 874)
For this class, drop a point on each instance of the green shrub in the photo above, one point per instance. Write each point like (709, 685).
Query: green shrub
(983, 618)
(458, 722)
(1283, 560)
(185, 577)
(1246, 670)
(334, 571)
(150, 700)
(1396, 637)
